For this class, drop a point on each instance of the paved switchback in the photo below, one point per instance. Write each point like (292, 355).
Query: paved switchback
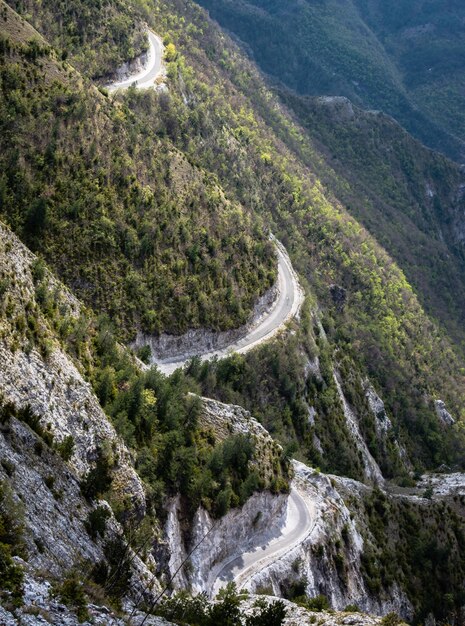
(290, 294)
(286, 306)
(153, 68)
(242, 569)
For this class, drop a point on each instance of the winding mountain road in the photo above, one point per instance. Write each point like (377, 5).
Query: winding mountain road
(290, 294)
(285, 307)
(144, 79)
(299, 524)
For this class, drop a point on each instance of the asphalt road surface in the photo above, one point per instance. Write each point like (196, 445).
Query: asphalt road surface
(243, 568)
(286, 306)
(145, 77)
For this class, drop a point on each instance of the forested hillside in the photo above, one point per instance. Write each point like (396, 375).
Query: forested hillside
(154, 208)
(404, 58)
(408, 197)
(380, 325)
(218, 119)
(96, 37)
(137, 229)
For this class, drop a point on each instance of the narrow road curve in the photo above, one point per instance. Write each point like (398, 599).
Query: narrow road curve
(153, 67)
(242, 569)
(290, 294)
(285, 307)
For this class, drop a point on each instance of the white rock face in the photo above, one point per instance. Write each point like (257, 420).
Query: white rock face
(371, 469)
(312, 367)
(443, 485)
(175, 542)
(229, 419)
(199, 341)
(220, 541)
(298, 616)
(55, 511)
(340, 107)
(443, 414)
(259, 520)
(55, 531)
(263, 521)
(382, 422)
(56, 391)
(53, 387)
(41, 608)
(314, 560)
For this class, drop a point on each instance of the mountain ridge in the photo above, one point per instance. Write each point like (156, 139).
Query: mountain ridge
(341, 49)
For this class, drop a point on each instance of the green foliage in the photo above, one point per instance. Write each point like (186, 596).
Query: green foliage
(391, 619)
(170, 53)
(271, 615)
(318, 603)
(197, 611)
(71, 592)
(424, 548)
(271, 383)
(158, 220)
(144, 354)
(128, 222)
(26, 415)
(8, 466)
(11, 544)
(411, 66)
(403, 193)
(95, 44)
(114, 574)
(98, 479)
(379, 326)
(97, 521)
(295, 589)
(159, 420)
(11, 575)
(382, 328)
(66, 447)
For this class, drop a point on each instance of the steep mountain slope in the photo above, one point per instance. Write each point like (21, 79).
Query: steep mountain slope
(96, 37)
(364, 383)
(409, 198)
(405, 58)
(87, 493)
(426, 42)
(222, 119)
(379, 325)
(137, 230)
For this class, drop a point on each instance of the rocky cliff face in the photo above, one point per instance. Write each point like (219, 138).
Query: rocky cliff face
(328, 560)
(42, 386)
(371, 469)
(199, 341)
(46, 403)
(222, 540)
(37, 372)
(41, 608)
(297, 615)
